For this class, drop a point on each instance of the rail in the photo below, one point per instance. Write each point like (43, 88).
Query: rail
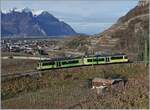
(9, 76)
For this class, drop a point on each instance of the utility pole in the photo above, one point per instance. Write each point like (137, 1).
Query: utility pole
(145, 53)
(10, 48)
(93, 56)
(39, 48)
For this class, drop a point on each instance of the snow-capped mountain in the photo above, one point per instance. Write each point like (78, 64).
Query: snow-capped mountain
(27, 22)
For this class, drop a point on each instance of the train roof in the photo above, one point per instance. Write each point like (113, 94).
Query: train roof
(105, 55)
(61, 58)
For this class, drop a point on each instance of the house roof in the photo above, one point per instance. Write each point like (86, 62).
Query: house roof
(104, 81)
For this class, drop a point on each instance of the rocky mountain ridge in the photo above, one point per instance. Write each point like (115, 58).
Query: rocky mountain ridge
(24, 23)
(127, 35)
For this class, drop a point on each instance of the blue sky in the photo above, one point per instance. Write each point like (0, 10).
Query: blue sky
(85, 16)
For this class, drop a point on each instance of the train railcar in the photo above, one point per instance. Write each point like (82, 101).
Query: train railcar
(115, 58)
(60, 63)
(105, 59)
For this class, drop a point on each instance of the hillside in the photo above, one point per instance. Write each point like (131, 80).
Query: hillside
(127, 35)
(24, 23)
(68, 88)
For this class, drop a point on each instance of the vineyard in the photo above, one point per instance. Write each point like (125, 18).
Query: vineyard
(69, 88)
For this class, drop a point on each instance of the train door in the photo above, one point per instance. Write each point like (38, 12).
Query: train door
(40, 65)
(107, 59)
(97, 59)
(58, 64)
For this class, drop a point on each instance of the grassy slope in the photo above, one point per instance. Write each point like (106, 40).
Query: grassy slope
(128, 34)
(69, 89)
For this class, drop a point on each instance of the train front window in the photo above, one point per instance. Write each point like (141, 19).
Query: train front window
(116, 57)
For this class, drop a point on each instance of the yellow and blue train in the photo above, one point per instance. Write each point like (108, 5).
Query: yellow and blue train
(82, 61)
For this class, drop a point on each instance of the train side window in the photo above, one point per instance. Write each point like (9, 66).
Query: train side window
(70, 62)
(44, 64)
(115, 58)
(89, 60)
(64, 63)
(92, 60)
(48, 63)
(77, 61)
(73, 62)
(51, 63)
(101, 59)
(125, 57)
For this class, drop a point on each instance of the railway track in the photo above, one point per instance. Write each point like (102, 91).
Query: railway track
(5, 77)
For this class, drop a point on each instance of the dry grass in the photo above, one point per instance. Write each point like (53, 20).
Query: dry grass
(68, 88)
(17, 65)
